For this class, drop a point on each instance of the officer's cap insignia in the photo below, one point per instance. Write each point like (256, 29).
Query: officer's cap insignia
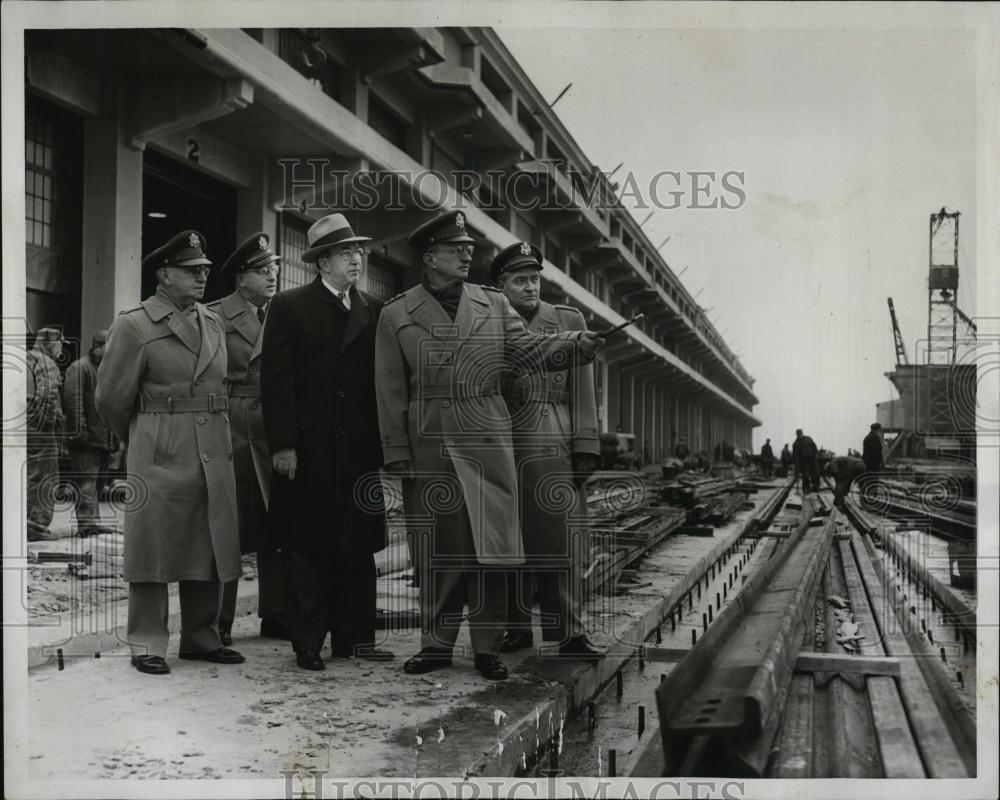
(193, 240)
(525, 249)
(262, 243)
(460, 220)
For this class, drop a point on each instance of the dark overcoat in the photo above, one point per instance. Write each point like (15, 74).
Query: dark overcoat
(318, 393)
(251, 459)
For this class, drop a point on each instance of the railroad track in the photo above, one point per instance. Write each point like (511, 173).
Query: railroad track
(832, 661)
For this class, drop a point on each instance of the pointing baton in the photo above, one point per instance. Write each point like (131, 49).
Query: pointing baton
(617, 328)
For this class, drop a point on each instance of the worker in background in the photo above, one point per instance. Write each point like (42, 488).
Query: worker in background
(805, 453)
(767, 459)
(442, 348)
(161, 388)
(89, 439)
(255, 270)
(554, 420)
(44, 423)
(844, 470)
(872, 449)
(681, 449)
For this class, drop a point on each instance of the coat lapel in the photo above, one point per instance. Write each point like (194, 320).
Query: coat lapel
(212, 337)
(473, 310)
(238, 314)
(185, 331)
(546, 320)
(357, 319)
(428, 314)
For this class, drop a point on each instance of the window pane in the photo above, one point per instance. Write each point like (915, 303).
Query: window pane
(47, 163)
(46, 234)
(46, 186)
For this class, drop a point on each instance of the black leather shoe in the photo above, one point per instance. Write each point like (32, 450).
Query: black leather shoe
(374, 654)
(151, 665)
(309, 659)
(491, 667)
(226, 637)
(516, 640)
(579, 647)
(274, 629)
(221, 656)
(427, 659)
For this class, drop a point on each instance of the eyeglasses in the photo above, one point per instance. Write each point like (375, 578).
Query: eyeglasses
(352, 252)
(459, 249)
(270, 269)
(196, 272)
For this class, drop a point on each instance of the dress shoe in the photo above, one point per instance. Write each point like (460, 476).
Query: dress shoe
(516, 640)
(491, 667)
(427, 659)
(579, 647)
(151, 665)
(222, 655)
(309, 659)
(226, 637)
(374, 654)
(272, 628)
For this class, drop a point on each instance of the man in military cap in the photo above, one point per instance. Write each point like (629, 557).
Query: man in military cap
(554, 417)
(441, 350)
(160, 386)
(318, 390)
(255, 268)
(90, 440)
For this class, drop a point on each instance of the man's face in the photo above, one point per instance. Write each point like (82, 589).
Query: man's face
(450, 261)
(522, 287)
(341, 266)
(186, 284)
(258, 284)
(97, 350)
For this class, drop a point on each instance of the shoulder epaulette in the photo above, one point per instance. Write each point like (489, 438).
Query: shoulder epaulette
(569, 308)
(393, 299)
(490, 288)
(130, 310)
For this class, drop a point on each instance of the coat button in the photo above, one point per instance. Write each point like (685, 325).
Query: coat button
(558, 378)
(449, 442)
(341, 394)
(253, 370)
(340, 431)
(253, 404)
(201, 420)
(206, 457)
(230, 456)
(446, 404)
(545, 412)
(197, 381)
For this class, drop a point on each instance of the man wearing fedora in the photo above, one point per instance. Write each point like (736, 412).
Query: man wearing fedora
(441, 350)
(318, 393)
(161, 388)
(554, 418)
(255, 269)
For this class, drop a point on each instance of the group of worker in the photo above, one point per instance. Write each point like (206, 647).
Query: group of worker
(265, 422)
(63, 425)
(804, 457)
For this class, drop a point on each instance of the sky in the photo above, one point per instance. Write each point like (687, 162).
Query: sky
(847, 140)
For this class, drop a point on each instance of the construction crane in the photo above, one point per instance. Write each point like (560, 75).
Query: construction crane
(901, 357)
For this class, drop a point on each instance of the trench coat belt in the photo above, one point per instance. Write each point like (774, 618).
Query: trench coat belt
(245, 391)
(178, 405)
(527, 395)
(459, 390)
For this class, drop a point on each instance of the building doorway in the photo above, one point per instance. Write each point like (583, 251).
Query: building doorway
(176, 197)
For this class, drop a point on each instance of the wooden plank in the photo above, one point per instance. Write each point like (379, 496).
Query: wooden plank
(856, 665)
(941, 755)
(898, 750)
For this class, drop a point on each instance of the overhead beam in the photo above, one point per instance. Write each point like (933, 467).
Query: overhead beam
(179, 104)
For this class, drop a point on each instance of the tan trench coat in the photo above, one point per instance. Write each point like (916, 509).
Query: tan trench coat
(439, 405)
(182, 523)
(251, 458)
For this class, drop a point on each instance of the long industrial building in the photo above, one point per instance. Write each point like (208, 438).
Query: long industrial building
(133, 135)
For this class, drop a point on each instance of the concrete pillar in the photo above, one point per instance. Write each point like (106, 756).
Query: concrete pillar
(112, 217)
(253, 213)
(614, 390)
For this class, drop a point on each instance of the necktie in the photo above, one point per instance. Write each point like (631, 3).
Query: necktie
(260, 314)
(342, 296)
